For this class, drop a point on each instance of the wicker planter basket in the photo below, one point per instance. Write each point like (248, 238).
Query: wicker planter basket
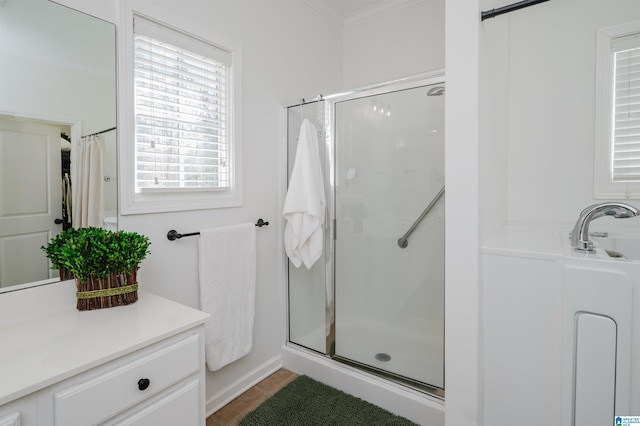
(107, 292)
(89, 254)
(65, 274)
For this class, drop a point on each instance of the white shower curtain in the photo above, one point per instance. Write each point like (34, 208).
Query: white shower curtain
(88, 204)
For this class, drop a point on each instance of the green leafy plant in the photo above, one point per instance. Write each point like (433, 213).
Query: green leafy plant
(55, 247)
(97, 252)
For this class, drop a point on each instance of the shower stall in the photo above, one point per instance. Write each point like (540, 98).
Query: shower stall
(374, 300)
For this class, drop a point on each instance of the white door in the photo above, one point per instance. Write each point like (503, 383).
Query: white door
(30, 199)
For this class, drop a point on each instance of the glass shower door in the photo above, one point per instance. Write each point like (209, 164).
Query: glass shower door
(308, 289)
(389, 300)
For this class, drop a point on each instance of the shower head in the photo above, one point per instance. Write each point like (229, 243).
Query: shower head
(436, 91)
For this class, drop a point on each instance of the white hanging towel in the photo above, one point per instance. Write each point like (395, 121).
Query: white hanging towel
(305, 204)
(227, 268)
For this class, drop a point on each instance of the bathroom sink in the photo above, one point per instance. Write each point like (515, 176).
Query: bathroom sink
(620, 246)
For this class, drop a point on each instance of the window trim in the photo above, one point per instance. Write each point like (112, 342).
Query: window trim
(604, 186)
(132, 202)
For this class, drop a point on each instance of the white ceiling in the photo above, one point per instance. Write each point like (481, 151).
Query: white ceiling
(348, 13)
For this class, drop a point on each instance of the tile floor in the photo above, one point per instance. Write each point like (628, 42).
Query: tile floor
(232, 413)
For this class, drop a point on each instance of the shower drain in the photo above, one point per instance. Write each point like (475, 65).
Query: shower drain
(383, 357)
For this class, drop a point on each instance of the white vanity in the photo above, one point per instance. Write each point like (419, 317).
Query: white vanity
(141, 364)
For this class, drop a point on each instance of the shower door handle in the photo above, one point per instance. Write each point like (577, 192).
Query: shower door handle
(403, 241)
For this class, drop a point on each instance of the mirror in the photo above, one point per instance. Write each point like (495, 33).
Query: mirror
(57, 85)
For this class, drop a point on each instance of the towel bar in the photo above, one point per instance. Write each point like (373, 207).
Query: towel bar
(173, 234)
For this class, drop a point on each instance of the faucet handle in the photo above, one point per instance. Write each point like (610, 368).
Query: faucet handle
(596, 234)
(599, 234)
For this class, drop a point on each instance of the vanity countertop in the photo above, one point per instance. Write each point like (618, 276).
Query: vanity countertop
(44, 339)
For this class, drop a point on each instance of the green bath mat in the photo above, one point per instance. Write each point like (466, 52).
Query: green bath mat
(306, 402)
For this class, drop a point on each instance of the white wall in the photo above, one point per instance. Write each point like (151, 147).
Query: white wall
(24, 85)
(58, 65)
(462, 167)
(493, 73)
(406, 42)
(536, 82)
(550, 54)
(289, 51)
(107, 10)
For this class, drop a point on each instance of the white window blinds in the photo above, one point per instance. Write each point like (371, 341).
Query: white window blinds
(626, 114)
(182, 111)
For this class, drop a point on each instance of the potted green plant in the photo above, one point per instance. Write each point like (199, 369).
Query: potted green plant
(104, 264)
(54, 249)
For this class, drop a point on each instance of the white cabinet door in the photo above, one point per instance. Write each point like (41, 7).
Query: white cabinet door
(12, 419)
(21, 412)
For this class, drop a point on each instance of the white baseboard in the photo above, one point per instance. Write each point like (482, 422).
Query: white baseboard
(241, 385)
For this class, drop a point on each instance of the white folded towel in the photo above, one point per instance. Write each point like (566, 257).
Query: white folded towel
(227, 291)
(305, 204)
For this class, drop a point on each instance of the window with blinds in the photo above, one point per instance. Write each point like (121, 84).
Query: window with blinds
(182, 111)
(626, 105)
(617, 113)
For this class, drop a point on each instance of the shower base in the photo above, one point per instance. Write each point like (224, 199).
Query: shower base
(414, 359)
(417, 406)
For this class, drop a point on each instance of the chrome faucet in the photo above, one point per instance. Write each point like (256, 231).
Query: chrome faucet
(580, 235)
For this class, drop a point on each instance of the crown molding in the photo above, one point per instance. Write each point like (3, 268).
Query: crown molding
(327, 11)
(375, 11)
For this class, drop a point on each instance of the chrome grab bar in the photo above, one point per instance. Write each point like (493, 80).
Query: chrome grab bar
(403, 242)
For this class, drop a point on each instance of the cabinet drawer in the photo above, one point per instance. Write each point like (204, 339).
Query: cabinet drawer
(178, 406)
(108, 394)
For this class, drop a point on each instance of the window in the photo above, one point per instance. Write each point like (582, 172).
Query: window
(626, 109)
(181, 111)
(618, 113)
(183, 90)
